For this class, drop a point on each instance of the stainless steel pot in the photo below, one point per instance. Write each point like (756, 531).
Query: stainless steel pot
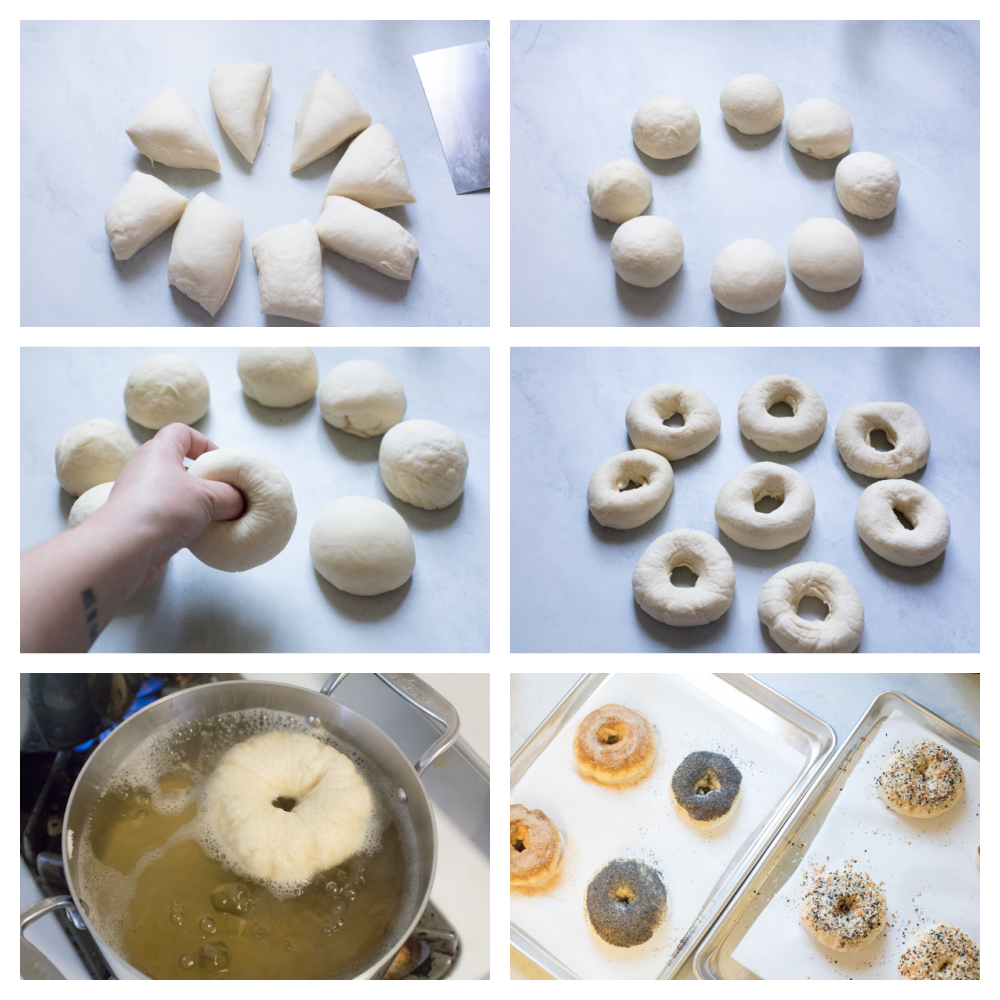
(319, 710)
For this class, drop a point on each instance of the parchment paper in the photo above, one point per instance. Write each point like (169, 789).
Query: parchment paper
(927, 868)
(599, 822)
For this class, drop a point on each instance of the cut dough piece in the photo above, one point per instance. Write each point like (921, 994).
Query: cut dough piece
(206, 252)
(241, 95)
(87, 503)
(142, 210)
(91, 454)
(290, 269)
(424, 463)
(647, 250)
(166, 389)
(372, 171)
(278, 376)
(619, 191)
(167, 130)
(362, 234)
(752, 104)
(825, 255)
(820, 128)
(867, 184)
(362, 398)
(328, 114)
(666, 127)
(748, 277)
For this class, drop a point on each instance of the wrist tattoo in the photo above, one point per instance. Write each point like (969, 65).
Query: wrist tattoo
(90, 611)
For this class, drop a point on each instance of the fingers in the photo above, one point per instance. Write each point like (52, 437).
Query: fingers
(185, 441)
(227, 501)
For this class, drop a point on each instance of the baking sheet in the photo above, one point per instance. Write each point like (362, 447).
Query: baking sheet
(927, 868)
(599, 822)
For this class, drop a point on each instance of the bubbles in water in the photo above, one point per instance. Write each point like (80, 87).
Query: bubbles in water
(340, 875)
(142, 798)
(260, 933)
(234, 897)
(213, 956)
(177, 912)
(207, 925)
(235, 925)
(351, 893)
(288, 946)
(333, 889)
(187, 961)
(122, 793)
(339, 908)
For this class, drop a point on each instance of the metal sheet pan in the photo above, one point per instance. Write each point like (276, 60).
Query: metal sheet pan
(713, 958)
(757, 703)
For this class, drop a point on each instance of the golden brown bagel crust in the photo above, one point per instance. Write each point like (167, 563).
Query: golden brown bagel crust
(614, 744)
(540, 847)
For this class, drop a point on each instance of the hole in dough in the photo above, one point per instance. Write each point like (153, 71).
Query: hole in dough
(283, 802)
(632, 485)
(766, 504)
(518, 837)
(880, 441)
(813, 609)
(781, 409)
(683, 576)
(674, 420)
(903, 519)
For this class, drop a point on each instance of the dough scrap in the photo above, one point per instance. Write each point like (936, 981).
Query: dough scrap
(748, 277)
(362, 546)
(205, 252)
(372, 171)
(820, 128)
(92, 453)
(144, 208)
(360, 233)
(167, 130)
(241, 95)
(166, 389)
(619, 191)
(290, 271)
(278, 376)
(867, 184)
(328, 115)
(752, 104)
(826, 255)
(647, 251)
(424, 463)
(666, 127)
(87, 503)
(362, 398)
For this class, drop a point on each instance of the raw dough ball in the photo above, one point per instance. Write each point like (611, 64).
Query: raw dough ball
(278, 376)
(867, 184)
(372, 171)
(826, 255)
(88, 502)
(166, 389)
(752, 104)
(167, 130)
(423, 463)
(290, 272)
(362, 546)
(267, 522)
(362, 398)
(328, 114)
(619, 191)
(646, 251)
(666, 127)
(142, 210)
(820, 128)
(748, 277)
(91, 454)
(241, 95)
(360, 233)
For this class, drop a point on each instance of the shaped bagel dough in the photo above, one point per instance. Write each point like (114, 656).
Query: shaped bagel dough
(752, 104)
(748, 277)
(144, 208)
(820, 128)
(804, 427)
(614, 505)
(205, 252)
(867, 185)
(666, 127)
(87, 503)
(290, 272)
(647, 412)
(328, 115)
(647, 250)
(883, 532)
(360, 233)
(619, 191)
(241, 95)
(278, 376)
(267, 521)
(362, 398)
(362, 546)
(903, 428)
(166, 389)
(167, 130)
(372, 171)
(91, 454)
(742, 522)
(826, 255)
(424, 463)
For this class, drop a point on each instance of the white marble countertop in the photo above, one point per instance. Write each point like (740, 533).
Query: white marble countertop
(571, 579)
(911, 89)
(284, 605)
(82, 82)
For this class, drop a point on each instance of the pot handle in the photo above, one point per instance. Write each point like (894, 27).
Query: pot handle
(422, 696)
(33, 962)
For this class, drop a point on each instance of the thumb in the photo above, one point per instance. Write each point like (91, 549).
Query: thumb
(227, 501)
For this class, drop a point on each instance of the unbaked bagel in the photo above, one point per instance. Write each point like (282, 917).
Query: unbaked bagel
(615, 506)
(923, 781)
(268, 518)
(843, 910)
(905, 431)
(880, 529)
(614, 745)
(535, 847)
(626, 902)
(777, 608)
(648, 413)
(804, 427)
(741, 521)
(327, 824)
(706, 601)
(936, 951)
(705, 789)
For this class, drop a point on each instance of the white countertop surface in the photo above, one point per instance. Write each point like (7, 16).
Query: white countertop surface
(82, 82)
(284, 605)
(910, 88)
(571, 579)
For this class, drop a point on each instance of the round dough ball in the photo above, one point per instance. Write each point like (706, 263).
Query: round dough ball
(91, 454)
(867, 184)
(88, 502)
(362, 546)
(748, 277)
(647, 251)
(267, 521)
(666, 127)
(362, 398)
(820, 128)
(278, 376)
(752, 104)
(619, 191)
(826, 255)
(423, 463)
(166, 389)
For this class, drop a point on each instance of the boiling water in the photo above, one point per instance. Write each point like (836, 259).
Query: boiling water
(163, 895)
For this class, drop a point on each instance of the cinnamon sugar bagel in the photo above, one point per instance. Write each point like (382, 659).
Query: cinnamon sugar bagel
(535, 847)
(614, 745)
